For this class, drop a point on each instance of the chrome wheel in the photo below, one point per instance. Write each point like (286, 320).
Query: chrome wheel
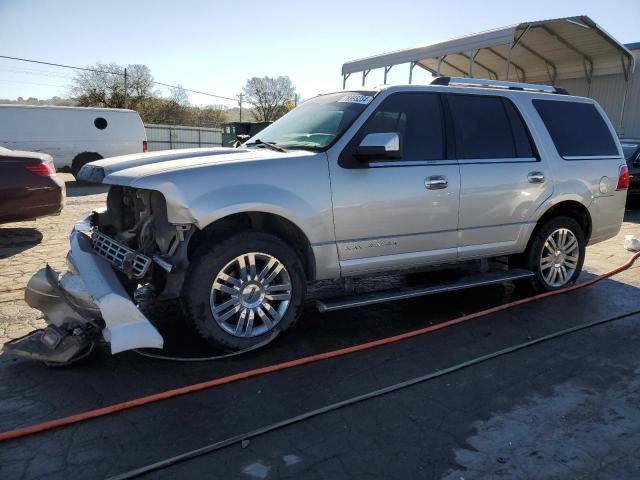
(559, 258)
(250, 295)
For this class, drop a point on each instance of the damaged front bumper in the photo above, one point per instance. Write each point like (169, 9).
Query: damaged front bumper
(91, 294)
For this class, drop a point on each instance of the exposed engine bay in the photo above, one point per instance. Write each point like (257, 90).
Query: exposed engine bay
(155, 250)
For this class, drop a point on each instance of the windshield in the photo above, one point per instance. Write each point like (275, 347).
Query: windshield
(317, 123)
(629, 149)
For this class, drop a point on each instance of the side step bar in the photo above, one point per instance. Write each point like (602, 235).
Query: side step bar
(478, 280)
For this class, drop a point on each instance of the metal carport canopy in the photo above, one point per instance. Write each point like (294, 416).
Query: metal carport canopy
(541, 51)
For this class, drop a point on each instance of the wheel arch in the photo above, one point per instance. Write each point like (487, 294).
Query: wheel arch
(259, 221)
(75, 163)
(568, 208)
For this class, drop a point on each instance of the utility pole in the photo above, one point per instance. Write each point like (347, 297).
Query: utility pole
(240, 104)
(126, 99)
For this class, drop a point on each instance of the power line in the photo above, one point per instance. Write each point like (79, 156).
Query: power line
(31, 71)
(196, 91)
(87, 69)
(60, 65)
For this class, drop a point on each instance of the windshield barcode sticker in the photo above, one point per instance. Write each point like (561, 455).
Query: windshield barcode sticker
(363, 99)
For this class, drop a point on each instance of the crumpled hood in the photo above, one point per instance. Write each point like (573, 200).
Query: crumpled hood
(126, 170)
(95, 172)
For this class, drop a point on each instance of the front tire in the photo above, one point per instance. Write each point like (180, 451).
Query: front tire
(244, 289)
(556, 254)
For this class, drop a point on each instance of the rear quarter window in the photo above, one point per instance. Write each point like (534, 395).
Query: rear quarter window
(577, 129)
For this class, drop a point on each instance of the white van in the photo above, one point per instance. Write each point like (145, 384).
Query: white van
(73, 136)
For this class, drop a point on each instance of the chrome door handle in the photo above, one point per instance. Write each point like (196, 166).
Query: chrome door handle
(436, 182)
(536, 177)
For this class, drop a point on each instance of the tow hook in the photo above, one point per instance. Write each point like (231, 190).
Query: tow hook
(53, 345)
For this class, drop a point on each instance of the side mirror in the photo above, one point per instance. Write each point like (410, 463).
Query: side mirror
(378, 146)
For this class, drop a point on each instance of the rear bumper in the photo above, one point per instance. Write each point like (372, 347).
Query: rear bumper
(607, 215)
(18, 204)
(91, 292)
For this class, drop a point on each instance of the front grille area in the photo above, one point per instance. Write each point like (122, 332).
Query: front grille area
(120, 256)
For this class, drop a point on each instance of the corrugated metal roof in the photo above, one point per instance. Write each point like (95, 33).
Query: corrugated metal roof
(539, 51)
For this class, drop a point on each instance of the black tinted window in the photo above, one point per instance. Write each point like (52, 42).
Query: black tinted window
(488, 127)
(577, 129)
(519, 131)
(417, 118)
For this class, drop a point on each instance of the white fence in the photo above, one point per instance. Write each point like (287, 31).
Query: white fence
(170, 137)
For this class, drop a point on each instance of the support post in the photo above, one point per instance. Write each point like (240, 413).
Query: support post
(507, 64)
(440, 60)
(386, 70)
(513, 45)
(412, 65)
(240, 105)
(626, 69)
(588, 69)
(472, 58)
(364, 76)
(344, 80)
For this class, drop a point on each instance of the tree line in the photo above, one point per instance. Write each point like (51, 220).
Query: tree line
(103, 85)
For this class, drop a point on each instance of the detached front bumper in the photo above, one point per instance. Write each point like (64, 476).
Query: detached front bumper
(89, 293)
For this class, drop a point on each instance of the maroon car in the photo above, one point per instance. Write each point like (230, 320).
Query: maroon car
(29, 186)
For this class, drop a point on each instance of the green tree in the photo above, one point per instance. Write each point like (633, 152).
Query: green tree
(210, 117)
(104, 86)
(163, 110)
(270, 97)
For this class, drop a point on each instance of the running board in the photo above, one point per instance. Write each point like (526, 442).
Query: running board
(478, 280)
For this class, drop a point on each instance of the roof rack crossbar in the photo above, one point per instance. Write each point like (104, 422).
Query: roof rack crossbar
(481, 82)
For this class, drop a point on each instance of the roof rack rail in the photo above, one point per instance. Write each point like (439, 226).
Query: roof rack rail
(481, 82)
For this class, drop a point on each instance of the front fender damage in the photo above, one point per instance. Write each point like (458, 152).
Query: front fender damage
(89, 298)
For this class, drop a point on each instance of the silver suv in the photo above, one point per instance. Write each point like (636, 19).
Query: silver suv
(347, 184)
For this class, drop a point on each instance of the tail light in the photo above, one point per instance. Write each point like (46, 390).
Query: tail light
(145, 147)
(623, 178)
(43, 168)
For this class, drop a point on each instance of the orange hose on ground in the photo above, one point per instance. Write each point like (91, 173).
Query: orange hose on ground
(118, 407)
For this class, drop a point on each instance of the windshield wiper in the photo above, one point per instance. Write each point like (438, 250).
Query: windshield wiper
(270, 146)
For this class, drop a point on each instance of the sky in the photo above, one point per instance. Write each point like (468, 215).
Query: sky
(215, 46)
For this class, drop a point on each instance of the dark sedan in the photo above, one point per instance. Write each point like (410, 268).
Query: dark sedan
(29, 186)
(631, 149)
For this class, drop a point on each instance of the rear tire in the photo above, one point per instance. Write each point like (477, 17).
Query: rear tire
(556, 254)
(81, 160)
(233, 294)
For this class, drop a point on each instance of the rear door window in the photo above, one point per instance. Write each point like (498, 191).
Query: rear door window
(488, 128)
(577, 129)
